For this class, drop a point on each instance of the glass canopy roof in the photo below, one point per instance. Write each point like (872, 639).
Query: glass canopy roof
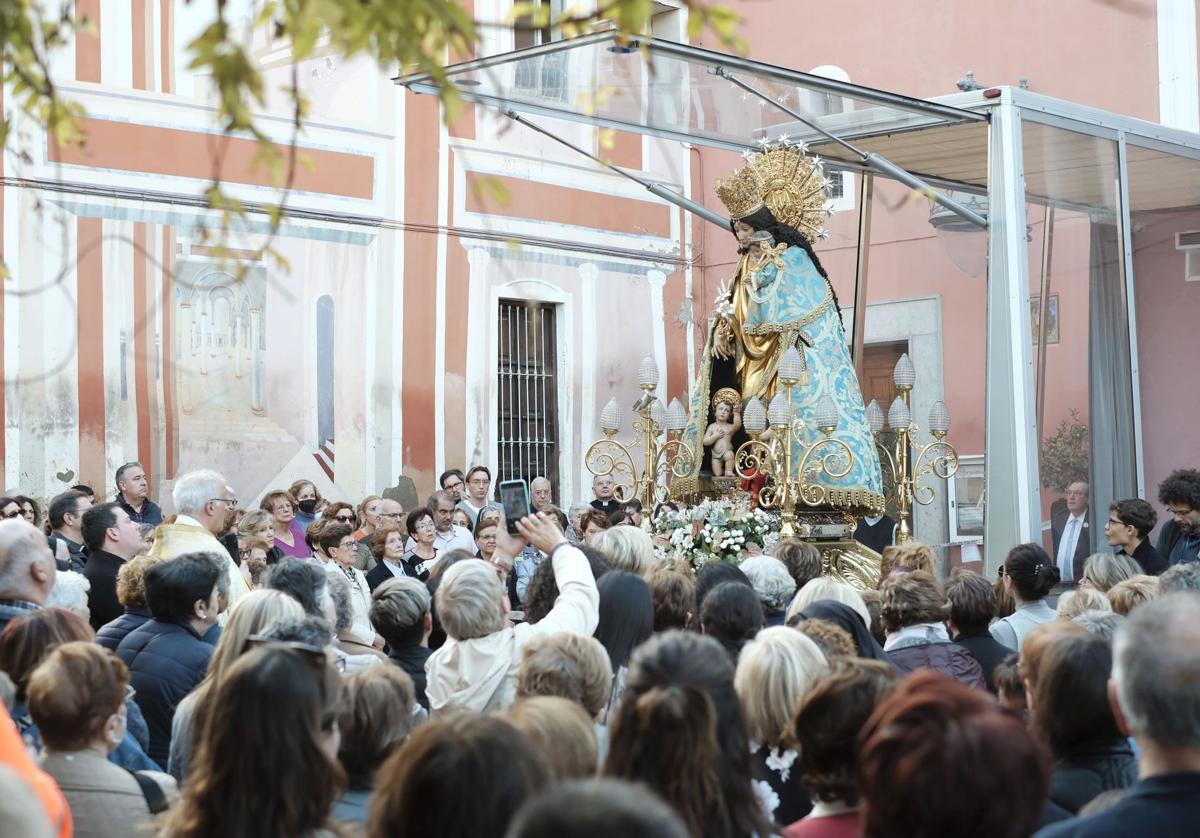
(675, 90)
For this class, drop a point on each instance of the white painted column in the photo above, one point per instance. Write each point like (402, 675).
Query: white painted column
(1178, 87)
(481, 343)
(657, 280)
(185, 369)
(256, 381)
(205, 333)
(588, 274)
(236, 347)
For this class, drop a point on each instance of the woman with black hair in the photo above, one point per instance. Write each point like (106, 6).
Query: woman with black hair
(626, 622)
(732, 615)
(781, 299)
(1072, 715)
(679, 730)
(1029, 575)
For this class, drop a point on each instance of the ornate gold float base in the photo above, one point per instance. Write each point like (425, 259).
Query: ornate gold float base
(832, 532)
(850, 561)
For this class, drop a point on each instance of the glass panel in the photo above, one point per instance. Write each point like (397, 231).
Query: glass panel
(1165, 223)
(672, 89)
(1081, 341)
(926, 296)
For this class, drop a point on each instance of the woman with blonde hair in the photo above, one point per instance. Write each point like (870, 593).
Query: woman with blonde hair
(1103, 570)
(1073, 603)
(626, 548)
(911, 555)
(258, 523)
(775, 671)
(254, 614)
(1132, 592)
(827, 587)
(560, 732)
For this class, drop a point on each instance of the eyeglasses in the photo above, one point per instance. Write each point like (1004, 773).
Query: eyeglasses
(8, 515)
(1179, 513)
(426, 525)
(231, 501)
(345, 519)
(1116, 523)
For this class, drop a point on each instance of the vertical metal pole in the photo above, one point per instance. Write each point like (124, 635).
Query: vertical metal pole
(1125, 216)
(1010, 429)
(1043, 315)
(866, 194)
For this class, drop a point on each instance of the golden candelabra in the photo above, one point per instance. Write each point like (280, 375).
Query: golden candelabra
(661, 457)
(904, 460)
(775, 432)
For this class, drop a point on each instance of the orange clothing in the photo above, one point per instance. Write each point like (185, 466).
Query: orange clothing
(14, 755)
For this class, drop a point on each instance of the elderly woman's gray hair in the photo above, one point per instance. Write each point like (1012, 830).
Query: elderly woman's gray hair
(468, 600)
(626, 548)
(70, 591)
(771, 581)
(343, 607)
(1101, 623)
(827, 587)
(398, 609)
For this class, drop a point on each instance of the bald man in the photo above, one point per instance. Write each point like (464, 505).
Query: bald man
(540, 493)
(26, 569)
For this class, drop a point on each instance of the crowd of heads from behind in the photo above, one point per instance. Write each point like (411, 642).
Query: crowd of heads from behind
(314, 666)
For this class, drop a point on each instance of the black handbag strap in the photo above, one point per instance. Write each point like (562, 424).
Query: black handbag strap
(156, 798)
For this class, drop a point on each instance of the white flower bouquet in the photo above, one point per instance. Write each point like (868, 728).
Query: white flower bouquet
(713, 531)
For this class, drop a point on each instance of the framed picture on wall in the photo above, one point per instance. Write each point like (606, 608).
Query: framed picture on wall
(1035, 318)
(967, 500)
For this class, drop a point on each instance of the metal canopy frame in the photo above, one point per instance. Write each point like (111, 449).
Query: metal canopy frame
(989, 160)
(748, 76)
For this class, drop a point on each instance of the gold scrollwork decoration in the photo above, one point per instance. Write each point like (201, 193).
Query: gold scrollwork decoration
(943, 464)
(609, 457)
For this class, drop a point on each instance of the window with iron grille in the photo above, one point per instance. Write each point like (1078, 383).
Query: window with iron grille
(527, 384)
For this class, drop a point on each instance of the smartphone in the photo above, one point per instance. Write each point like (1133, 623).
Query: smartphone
(514, 497)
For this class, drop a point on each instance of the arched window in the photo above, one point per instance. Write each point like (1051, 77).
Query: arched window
(841, 187)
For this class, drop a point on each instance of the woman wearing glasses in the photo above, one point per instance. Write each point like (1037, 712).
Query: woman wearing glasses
(289, 535)
(9, 508)
(421, 558)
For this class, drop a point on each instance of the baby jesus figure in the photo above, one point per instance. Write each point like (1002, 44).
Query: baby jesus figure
(719, 435)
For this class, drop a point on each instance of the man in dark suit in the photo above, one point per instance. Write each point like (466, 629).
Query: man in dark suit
(112, 538)
(1071, 529)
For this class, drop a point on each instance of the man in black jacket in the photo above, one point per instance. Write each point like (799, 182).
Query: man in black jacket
(133, 493)
(165, 655)
(1179, 539)
(66, 521)
(112, 539)
(1156, 665)
(400, 613)
(1128, 529)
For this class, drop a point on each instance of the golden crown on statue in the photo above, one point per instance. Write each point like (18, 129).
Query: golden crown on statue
(786, 181)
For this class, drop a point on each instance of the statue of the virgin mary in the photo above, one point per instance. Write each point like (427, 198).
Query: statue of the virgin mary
(781, 297)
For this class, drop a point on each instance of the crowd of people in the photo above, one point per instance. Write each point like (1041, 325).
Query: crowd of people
(316, 668)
